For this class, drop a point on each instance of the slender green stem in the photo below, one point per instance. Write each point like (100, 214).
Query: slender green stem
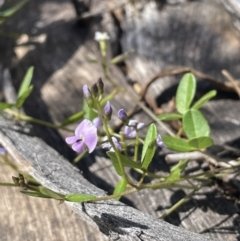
(183, 200)
(153, 116)
(113, 145)
(127, 192)
(141, 179)
(8, 184)
(132, 190)
(79, 157)
(105, 71)
(34, 120)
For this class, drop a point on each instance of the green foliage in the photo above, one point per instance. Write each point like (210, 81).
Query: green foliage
(177, 144)
(4, 105)
(185, 93)
(35, 194)
(12, 10)
(73, 118)
(177, 170)
(204, 99)
(194, 124)
(120, 58)
(26, 81)
(23, 97)
(201, 142)
(47, 192)
(120, 187)
(127, 162)
(89, 113)
(149, 147)
(79, 197)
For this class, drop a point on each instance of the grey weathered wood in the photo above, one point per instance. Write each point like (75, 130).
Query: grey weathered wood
(114, 219)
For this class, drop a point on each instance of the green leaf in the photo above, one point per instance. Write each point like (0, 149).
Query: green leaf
(10, 11)
(73, 118)
(47, 192)
(149, 147)
(89, 114)
(4, 105)
(194, 124)
(185, 92)
(79, 197)
(121, 187)
(169, 116)
(201, 142)
(177, 170)
(23, 97)
(34, 194)
(124, 160)
(204, 99)
(26, 82)
(177, 144)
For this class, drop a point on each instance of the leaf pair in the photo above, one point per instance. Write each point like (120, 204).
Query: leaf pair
(185, 94)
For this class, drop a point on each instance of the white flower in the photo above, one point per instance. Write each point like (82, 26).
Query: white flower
(101, 36)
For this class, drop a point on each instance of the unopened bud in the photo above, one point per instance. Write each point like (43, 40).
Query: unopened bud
(123, 116)
(100, 86)
(88, 96)
(108, 111)
(102, 38)
(94, 90)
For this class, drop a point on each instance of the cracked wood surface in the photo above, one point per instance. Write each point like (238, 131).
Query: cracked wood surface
(113, 218)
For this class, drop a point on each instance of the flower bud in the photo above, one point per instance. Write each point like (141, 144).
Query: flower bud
(122, 115)
(108, 111)
(102, 39)
(100, 86)
(94, 90)
(88, 96)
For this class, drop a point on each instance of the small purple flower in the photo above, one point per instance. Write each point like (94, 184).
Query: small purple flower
(123, 116)
(108, 111)
(2, 151)
(132, 127)
(159, 141)
(97, 122)
(107, 145)
(85, 137)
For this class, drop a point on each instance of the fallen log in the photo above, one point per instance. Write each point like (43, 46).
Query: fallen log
(115, 219)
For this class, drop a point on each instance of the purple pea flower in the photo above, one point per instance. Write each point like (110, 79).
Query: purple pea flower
(159, 141)
(85, 137)
(132, 127)
(107, 145)
(97, 122)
